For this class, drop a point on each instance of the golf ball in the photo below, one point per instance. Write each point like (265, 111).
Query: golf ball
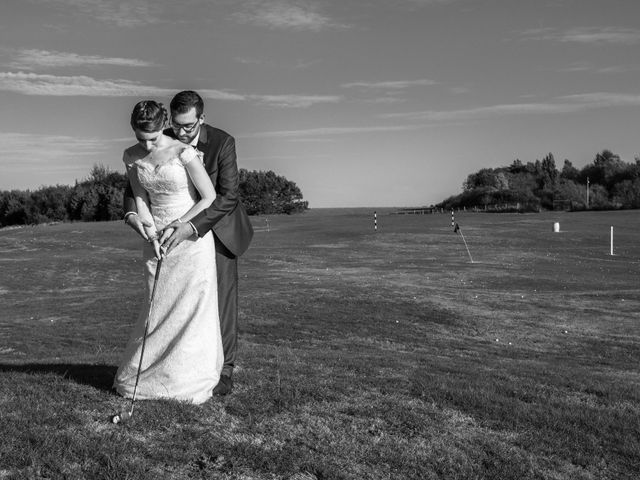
(115, 419)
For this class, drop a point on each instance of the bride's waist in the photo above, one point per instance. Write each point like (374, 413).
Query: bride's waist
(167, 212)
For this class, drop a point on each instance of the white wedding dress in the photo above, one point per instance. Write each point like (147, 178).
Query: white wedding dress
(183, 353)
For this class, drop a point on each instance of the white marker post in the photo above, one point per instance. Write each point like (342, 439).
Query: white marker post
(375, 221)
(453, 221)
(611, 249)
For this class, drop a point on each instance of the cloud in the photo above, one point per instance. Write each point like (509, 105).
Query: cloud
(430, 2)
(284, 15)
(587, 35)
(459, 90)
(565, 104)
(35, 145)
(396, 85)
(42, 154)
(484, 112)
(325, 131)
(123, 13)
(80, 85)
(299, 101)
(290, 65)
(588, 67)
(31, 59)
(605, 99)
(433, 118)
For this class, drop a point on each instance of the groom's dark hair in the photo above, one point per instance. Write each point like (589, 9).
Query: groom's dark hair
(185, 101)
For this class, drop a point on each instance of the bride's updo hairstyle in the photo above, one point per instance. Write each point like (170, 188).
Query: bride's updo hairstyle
(148, 116)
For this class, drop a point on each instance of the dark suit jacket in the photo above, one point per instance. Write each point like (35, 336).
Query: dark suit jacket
(226, 216)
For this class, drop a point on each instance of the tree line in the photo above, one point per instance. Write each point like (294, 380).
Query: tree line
(604, 184)
(99, 198)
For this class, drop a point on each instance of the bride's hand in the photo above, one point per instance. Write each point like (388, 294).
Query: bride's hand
(159, 250)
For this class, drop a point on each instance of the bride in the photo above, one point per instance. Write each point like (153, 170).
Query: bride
(169, 182)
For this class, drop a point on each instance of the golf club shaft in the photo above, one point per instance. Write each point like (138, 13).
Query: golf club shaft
(465, 244)
(146, 330)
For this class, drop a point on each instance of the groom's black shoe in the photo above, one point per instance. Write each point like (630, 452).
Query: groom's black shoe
(224, 386)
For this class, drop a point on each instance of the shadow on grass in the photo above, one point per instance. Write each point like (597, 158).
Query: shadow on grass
(98, 376)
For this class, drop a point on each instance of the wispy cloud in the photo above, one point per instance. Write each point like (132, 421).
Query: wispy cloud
(36, 145)
(299, 101)
(291, 65)
(326, 131)
(123, 13)
(49, 154)
(589, 67)
(587, 35)
(484, 112)
(563, 104)
(605, 99)
(285, 15)
(80, 85)
(32, 59)
(393, 85)
(433, 118)
(430, 2)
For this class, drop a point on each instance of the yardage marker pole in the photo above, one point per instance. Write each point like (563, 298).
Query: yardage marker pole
(611, 249)
(452, 219)
(375, 220)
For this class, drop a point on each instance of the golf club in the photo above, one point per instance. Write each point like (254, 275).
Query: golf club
(457, 229)
(126, 415)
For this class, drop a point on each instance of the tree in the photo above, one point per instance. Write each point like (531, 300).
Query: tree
(627, 193)
(14, 207)
(569, 172)
(487, 178)
(268, 193)
(539, 184)
(549, 171)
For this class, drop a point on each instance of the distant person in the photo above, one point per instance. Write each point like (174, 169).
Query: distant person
(226, 218)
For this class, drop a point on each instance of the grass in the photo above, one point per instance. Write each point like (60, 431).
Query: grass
(363, 354)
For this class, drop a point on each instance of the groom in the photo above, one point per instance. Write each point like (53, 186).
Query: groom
(226, 217)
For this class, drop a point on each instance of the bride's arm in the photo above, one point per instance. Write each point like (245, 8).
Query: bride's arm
(202, 182)
(142, 204)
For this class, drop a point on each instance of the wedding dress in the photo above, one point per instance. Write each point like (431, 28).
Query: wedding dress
(183, 353)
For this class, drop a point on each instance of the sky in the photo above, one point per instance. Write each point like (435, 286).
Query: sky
(362, 103)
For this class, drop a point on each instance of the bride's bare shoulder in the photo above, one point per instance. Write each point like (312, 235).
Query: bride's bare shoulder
(133, 153)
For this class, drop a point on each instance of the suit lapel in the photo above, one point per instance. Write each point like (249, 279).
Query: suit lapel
(210, 162)
(203, 139)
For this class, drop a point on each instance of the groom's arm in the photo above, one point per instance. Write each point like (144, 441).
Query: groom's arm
(227, 186)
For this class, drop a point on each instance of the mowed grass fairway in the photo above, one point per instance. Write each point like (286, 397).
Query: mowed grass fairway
(363, 354)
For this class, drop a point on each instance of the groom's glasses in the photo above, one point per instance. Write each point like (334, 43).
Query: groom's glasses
(186, 128)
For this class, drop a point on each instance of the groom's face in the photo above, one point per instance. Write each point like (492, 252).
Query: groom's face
(186, 125)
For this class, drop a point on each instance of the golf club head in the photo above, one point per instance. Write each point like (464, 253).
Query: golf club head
(122, 417)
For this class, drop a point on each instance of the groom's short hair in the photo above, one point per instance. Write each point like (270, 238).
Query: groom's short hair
(185, 101)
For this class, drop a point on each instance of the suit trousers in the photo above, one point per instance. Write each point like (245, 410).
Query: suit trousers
(227, 266)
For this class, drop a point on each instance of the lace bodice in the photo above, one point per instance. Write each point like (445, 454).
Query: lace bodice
(171, 191)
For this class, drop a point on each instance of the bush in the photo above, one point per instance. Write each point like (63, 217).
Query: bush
(100, 198)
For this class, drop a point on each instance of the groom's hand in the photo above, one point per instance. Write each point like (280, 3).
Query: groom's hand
(174, 234)
(133, 220)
